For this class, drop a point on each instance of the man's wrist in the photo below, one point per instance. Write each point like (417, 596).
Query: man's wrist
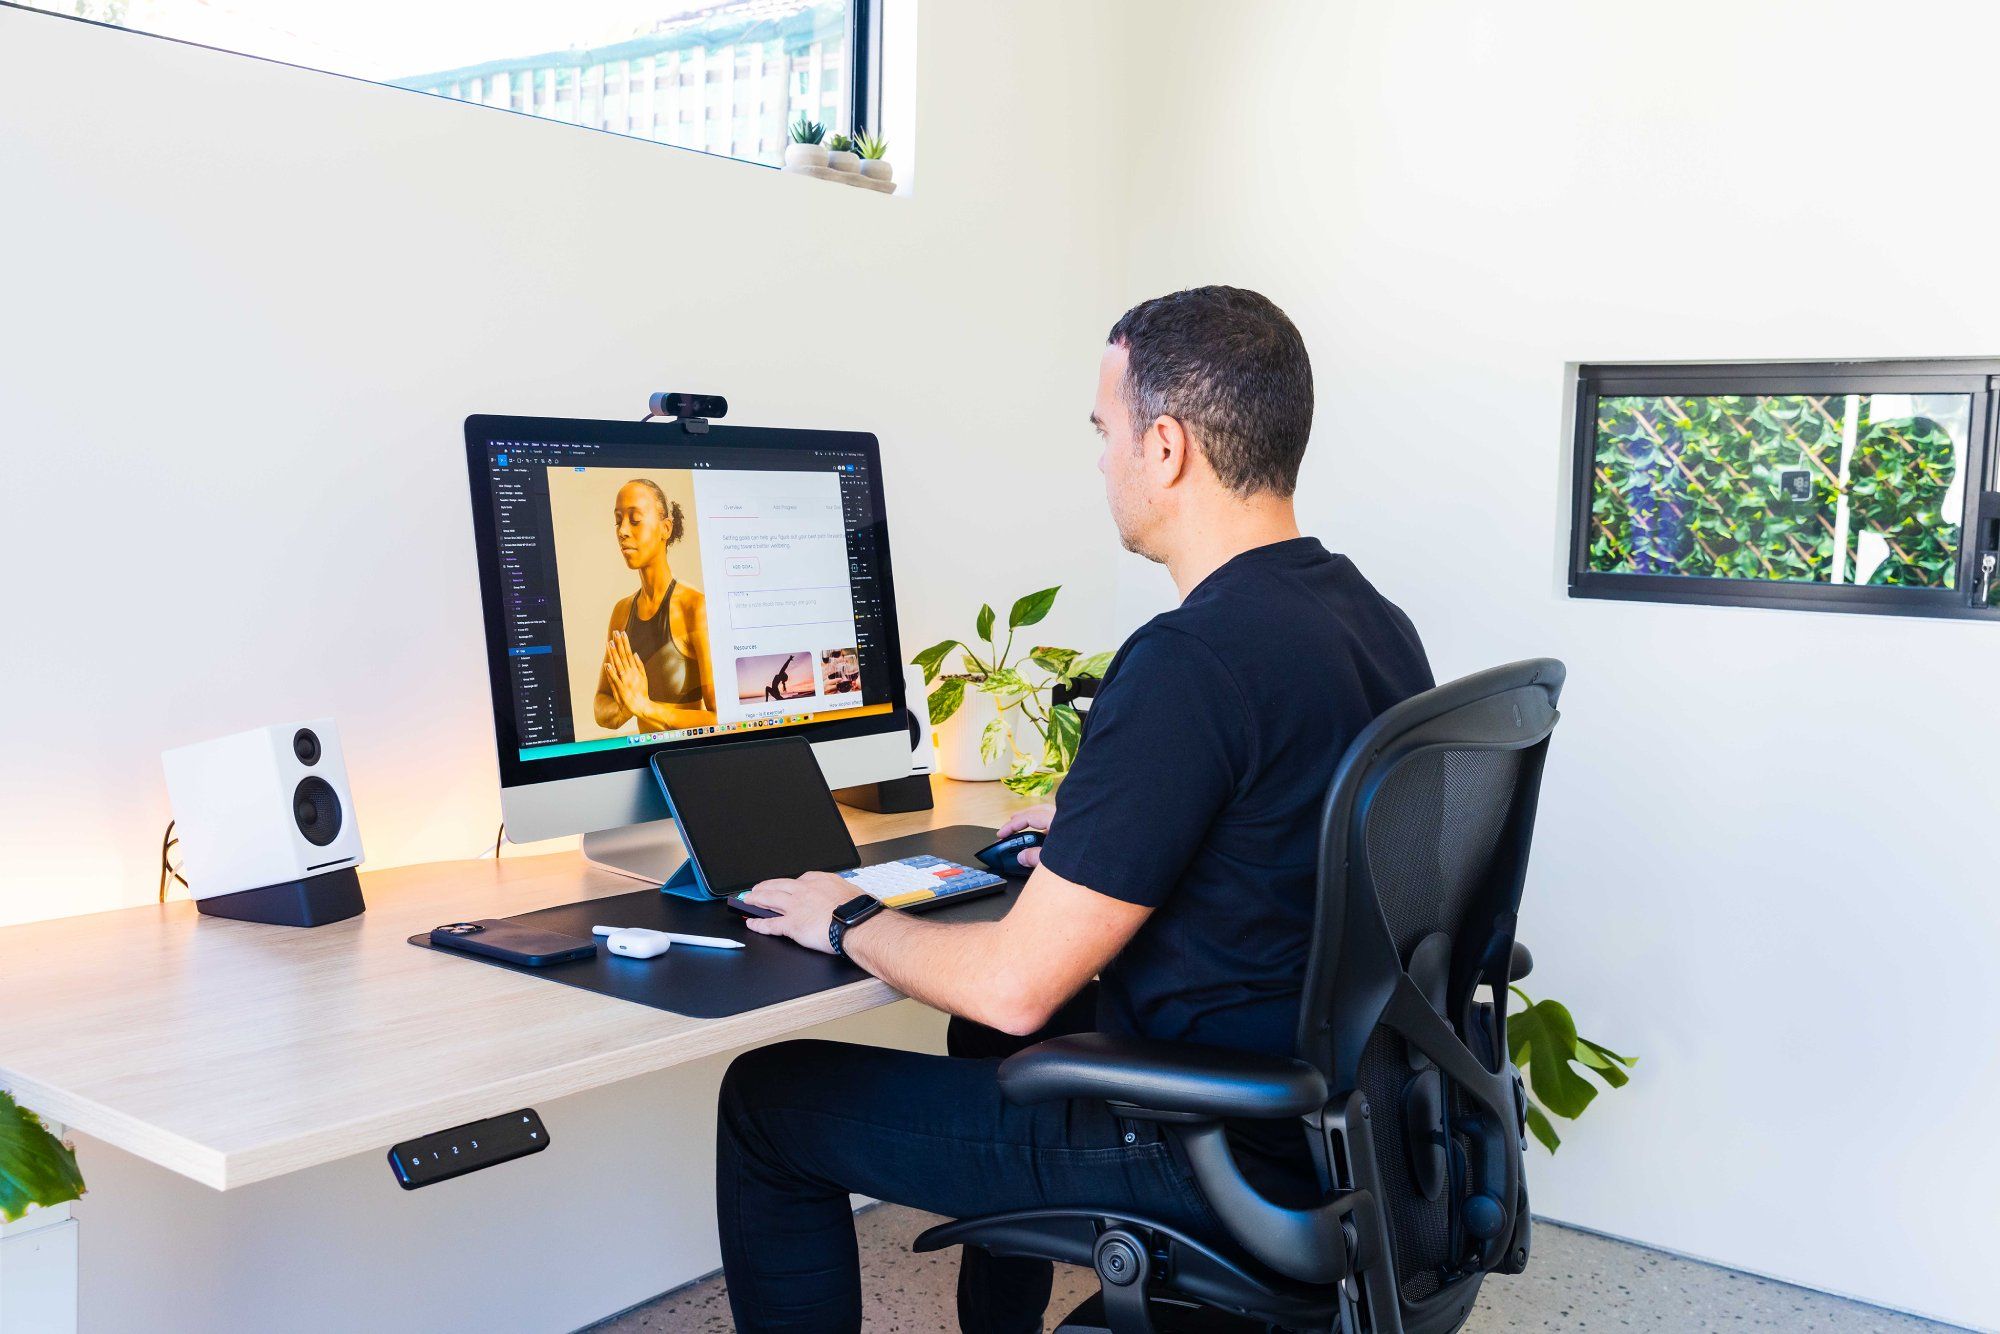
(848, 917)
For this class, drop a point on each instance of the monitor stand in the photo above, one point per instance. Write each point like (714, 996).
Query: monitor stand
(651, 852)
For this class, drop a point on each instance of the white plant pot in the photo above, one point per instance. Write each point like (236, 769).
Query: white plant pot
(844, 161)
(877, 169)
(958, 741)
(799, 155)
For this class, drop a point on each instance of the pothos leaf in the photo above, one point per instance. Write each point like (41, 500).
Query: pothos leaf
(931, 658)
(946, 699)
(35, 1167)
(1032, 785)
(1093, 666)
(992, 738)
(1006, 686)
(1065, 734)
(985, 623)
(1032, 608)
(1054, 661)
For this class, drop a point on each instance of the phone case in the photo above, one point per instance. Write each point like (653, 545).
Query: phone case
(500, 939)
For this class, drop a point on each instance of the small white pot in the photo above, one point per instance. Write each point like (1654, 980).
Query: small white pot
(877, 169)
(958, 741)
(799, 155)
(844, 161)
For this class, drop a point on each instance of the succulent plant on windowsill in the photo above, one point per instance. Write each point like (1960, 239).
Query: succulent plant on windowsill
(840, 154)
(874, 151)
(807, 148)
(36, 1168)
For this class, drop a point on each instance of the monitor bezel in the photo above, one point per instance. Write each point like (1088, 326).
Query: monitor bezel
(482, 430)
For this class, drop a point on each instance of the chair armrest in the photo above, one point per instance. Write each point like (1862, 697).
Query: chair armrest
(1521, 964)
(1179, 1077)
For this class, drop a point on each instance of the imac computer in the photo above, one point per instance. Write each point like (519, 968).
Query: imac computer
(645, 585)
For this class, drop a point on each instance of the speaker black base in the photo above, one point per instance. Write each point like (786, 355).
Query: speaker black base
(894, 796)
(313, 901)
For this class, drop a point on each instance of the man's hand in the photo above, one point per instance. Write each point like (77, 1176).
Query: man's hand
(1034, 817)
(626, 674)
(807, 905)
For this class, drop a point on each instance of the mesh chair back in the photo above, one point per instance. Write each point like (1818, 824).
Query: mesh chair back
(1423, 854)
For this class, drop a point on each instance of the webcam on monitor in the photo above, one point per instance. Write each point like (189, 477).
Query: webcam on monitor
(694, 411)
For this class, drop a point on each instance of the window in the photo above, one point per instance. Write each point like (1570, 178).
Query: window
(1839, 486)
(634, 67)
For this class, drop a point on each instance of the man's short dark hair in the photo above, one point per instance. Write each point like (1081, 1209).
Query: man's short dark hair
(1231, 368)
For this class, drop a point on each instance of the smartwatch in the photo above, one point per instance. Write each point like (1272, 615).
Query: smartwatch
(848, 916)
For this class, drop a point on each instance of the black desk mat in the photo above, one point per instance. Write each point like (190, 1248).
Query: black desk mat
(712, 984)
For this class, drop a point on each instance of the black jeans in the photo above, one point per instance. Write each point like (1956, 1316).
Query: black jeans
(802, 1124)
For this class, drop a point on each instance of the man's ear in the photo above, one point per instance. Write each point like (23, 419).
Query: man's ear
(1169, 449)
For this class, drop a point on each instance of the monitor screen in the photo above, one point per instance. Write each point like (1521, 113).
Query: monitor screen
(646, 586)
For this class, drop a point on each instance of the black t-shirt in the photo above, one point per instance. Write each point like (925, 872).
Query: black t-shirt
(1200, 782)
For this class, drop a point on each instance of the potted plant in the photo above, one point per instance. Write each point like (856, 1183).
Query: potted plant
(840, 154)
(806, 149)
(874, 162)
(36, 1168)
(982, 712)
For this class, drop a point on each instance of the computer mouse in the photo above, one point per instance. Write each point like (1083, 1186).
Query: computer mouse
(1004, 857)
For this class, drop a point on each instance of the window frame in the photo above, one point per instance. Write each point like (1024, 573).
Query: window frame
(864, 74)
(1979, 523)
(863, 105)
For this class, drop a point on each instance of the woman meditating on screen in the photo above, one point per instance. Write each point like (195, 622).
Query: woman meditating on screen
(656, 659)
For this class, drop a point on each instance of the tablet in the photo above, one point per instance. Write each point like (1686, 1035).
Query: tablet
(754, 810)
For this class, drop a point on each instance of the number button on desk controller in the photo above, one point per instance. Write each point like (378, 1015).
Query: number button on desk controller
(427, 1160)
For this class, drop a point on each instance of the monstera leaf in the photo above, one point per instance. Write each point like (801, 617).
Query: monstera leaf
(1542, 1040)
(35, 1168)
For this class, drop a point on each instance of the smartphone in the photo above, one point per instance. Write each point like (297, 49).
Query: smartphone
(735, 901)
(500, 939)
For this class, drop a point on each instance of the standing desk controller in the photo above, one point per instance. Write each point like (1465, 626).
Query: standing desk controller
(429, 1159)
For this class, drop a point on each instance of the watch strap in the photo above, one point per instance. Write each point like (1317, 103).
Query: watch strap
(851, 913)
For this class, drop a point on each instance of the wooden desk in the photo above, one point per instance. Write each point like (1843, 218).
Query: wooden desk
(230, 1052)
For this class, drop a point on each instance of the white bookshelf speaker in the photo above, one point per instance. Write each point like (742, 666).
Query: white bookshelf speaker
(266, 825)
(913, 793)
(923, 755)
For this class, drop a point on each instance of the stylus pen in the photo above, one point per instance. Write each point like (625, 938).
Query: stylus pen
(705, 942)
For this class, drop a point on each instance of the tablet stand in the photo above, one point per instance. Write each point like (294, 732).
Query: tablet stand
(651, 851)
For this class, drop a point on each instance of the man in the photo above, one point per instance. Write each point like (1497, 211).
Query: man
(1179, 866)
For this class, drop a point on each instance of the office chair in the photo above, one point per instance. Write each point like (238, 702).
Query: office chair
(1413, 1114)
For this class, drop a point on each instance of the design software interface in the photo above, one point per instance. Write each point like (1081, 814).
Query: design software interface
(650, 594)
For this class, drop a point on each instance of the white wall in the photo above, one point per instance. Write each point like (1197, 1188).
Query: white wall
(1761, 864)
(244, 311)
(247, 308)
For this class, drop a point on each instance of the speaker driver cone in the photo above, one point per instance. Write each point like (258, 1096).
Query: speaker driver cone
(316, 810)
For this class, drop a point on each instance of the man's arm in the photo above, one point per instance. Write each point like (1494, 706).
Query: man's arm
(1013, 974)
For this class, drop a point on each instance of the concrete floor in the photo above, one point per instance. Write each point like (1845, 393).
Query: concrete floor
(1575, 1281)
